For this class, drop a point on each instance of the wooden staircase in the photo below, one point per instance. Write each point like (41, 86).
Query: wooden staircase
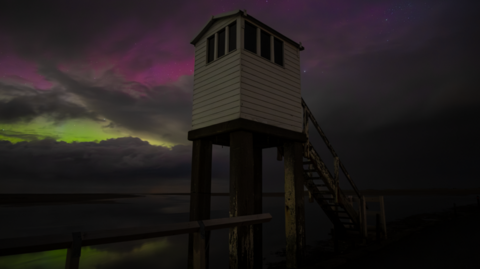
(323, 187)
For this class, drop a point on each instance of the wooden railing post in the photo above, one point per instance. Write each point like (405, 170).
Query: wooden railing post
(74, 251)
(199, 248)
(363, 217)
(382, 212)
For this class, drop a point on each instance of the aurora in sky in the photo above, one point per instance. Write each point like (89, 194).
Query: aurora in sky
(104, 89)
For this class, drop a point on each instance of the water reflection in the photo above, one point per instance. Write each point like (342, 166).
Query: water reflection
(171, 252)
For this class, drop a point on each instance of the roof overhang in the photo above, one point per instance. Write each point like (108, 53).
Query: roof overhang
(244, 14)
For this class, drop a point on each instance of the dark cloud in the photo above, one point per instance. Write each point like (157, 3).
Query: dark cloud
(163, 111)
(28, 104)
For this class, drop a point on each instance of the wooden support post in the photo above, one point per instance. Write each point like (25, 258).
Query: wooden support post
(382, 211)
(200, 200)
(258, 207)
(363, 217)
(241, 199)
(378, 227)
(199, 248)
(294, 204)
(74, 251)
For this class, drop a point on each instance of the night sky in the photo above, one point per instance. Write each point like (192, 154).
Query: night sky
(96, 96)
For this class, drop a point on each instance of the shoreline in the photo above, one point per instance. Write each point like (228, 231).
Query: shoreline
(399, 232)
(35, 199)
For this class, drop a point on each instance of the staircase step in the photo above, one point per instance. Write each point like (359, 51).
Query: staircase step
(342, 217)
(325, 192)
(320, 185)
(309, 170)
(313, 177)
(309, 162)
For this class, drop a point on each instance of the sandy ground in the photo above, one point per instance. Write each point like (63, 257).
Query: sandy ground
(436, 240)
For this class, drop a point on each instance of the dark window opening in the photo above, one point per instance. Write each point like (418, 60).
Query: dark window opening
(210, 48)
(278, 51)
(232, 36)
(221, 43)
(265, 45)
(250, 37)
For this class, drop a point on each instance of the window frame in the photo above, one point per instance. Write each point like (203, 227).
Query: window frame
(210, 49)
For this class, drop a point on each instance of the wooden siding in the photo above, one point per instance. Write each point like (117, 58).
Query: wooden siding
(243, 84)
(270, 93)
(216, 85)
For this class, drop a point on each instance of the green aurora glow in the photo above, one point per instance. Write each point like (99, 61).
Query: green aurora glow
(76, 130)
(90, 258)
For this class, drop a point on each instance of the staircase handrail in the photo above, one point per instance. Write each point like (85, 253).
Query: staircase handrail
(308, 114)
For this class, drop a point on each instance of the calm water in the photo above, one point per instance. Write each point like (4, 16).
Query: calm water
(171, 252)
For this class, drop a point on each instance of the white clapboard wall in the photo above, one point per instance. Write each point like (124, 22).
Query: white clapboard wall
(242, 84)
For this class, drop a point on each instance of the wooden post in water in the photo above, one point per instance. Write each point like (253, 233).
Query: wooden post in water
(200, 201)
(258, 207)
(241, 198)
(74, 251)
(294, 204)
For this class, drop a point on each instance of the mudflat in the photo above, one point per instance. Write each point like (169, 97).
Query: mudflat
(448, 239)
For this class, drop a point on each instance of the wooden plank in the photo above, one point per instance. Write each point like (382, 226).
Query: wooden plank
(263, 70)
(13, 246)
(286, 116)
(272, 104)
(263, 63)
(215, 113)
(226, 84)
(228, 101)
(292, 53)
(216, 82)
(217, 75)
(269, 91)
(294, 205)
(202, 66)
(212, 121)
(219, 95)
(225, 63)
(269, 119)
(266, 83)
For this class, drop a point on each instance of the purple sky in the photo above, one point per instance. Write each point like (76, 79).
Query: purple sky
(394, 85)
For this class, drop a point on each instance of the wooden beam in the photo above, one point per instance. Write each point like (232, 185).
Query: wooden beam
(241, 198)
(21, 245)
(200, 190)
(294, 204)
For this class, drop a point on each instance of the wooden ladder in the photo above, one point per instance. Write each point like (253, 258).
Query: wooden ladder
(324, 188)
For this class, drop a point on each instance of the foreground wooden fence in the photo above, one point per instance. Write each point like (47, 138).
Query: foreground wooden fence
(75, 241)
